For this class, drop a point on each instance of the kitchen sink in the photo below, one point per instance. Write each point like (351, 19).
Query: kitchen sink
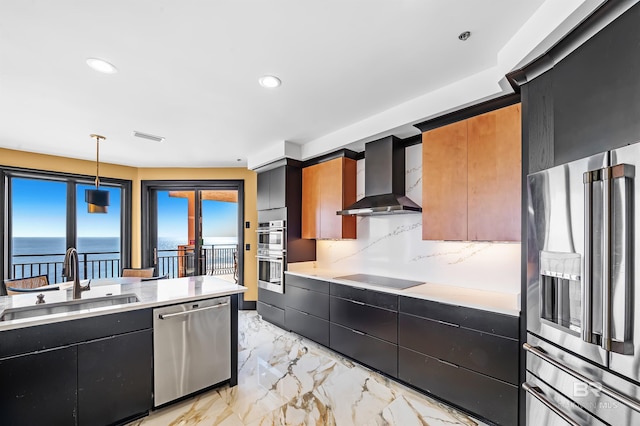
(64, 307)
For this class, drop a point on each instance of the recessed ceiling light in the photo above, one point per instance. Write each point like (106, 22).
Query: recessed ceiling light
(465, 35)
(101, 65)
(269, 81)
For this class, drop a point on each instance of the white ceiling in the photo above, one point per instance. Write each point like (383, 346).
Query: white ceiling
(188, 70)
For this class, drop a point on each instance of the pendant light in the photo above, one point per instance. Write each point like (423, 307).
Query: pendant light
(97, 199)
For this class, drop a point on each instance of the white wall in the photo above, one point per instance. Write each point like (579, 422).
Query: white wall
(392, 245)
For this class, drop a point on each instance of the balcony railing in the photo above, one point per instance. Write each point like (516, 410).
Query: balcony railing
(213, 260)
(181, 262)
(91, 265)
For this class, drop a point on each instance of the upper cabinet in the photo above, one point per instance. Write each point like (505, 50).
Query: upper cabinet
(272, 188)
(471, 178)
(326, 188)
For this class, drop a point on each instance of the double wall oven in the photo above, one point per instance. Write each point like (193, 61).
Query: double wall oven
(272, 237)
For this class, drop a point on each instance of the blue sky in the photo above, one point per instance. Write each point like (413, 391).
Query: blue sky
(39, 210)
(219, 219)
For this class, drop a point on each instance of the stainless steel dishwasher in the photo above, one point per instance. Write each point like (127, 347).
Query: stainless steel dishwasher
(191, 347)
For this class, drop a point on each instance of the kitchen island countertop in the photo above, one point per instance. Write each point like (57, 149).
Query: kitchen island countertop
(502, 303)
(149, 293)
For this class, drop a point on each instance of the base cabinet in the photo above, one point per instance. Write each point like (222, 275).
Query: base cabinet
(376, 353)
(39, 388)
(307, 325)
(120, 367)
(89, 371)
(271, 314)
(488, 397)
(464, 356)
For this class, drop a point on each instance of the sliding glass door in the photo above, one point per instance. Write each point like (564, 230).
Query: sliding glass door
(193, 228)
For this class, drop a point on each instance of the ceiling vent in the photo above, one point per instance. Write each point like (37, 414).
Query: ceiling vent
(148, 136)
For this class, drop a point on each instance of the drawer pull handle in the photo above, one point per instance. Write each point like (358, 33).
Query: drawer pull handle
(358, 332)
(356, 302)
(447, 363)
(303, 313)
(536, 392)
(192, 311)
(450, 324)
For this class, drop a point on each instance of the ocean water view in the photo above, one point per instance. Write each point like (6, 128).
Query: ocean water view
(33, 256)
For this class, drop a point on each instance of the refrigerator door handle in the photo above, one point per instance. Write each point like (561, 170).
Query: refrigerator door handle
(540, 353)
(587, 283)
(620, 171)
(536, 392)
(606, 261)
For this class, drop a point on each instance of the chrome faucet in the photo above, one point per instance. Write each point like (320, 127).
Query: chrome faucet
(70, 270)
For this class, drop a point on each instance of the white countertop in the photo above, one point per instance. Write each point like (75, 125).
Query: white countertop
(502, 303)
(150, 294)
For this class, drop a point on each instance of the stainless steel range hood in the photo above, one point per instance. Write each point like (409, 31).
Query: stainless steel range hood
(384, 181)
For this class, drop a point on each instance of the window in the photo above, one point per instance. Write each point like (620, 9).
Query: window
(44, 213)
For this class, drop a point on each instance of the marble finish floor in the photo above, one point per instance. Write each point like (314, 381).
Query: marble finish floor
(284, 379)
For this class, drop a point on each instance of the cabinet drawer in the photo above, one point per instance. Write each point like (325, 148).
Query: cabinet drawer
(271, 298)
(477, 393)
(477, 319)
(307, 325)
(371, 320)
(489, 354)
(271, 313)
(47, 336)
(308, 301)
(376, 353)
(370, 297)
(308, 283)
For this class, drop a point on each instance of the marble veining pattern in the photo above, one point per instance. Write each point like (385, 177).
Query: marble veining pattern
(285, 379)
(392, 245)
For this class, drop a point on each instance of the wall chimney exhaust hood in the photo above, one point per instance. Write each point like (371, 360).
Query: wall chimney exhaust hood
(384, 181)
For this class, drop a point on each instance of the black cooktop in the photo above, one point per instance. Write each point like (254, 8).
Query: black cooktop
(381, 281)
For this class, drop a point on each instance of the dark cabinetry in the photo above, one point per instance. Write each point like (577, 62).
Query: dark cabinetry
(465, 356)
(270, 306)
(95, 370)
(364, 326)
(307, 308)
(39, 388)
(116, 369)
(272, 187)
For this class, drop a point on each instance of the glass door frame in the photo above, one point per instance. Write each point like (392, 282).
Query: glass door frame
(149, 219)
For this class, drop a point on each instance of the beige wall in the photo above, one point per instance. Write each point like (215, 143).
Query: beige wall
(136, 175)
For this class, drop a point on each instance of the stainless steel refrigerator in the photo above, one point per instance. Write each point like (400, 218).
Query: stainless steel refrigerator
(583, 304)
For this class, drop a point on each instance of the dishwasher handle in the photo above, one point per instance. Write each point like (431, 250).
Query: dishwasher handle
(179, 314)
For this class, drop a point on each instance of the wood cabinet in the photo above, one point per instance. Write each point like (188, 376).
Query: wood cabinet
(471, 178)
(326, 188)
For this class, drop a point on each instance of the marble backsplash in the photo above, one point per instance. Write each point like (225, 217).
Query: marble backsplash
(392, 245)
